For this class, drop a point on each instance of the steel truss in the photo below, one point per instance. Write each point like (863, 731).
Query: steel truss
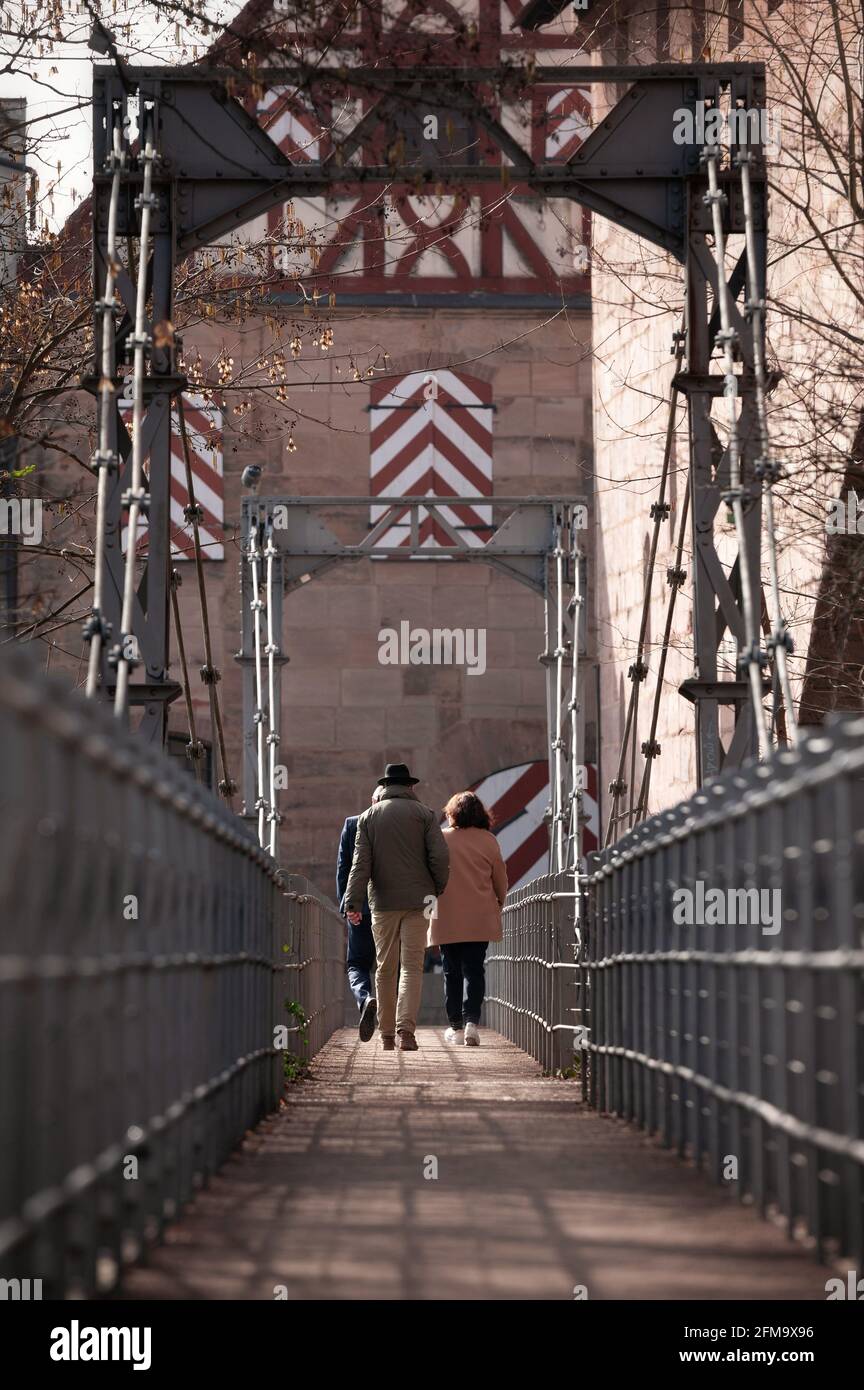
(537, 544)
(216, 169)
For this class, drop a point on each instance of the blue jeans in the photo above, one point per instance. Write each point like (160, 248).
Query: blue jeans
(464, 980)
(360, 961)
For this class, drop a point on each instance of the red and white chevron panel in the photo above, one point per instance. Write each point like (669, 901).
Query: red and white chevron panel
(431, 433)
(517, 797)
(567, 123)
(290, 125)
(204, 430)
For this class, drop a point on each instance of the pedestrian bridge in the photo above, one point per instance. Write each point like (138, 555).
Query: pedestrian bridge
(661, 1108)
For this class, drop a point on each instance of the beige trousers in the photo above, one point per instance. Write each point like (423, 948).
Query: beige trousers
(400, 939)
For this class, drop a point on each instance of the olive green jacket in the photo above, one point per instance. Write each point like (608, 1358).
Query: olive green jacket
(400, 855)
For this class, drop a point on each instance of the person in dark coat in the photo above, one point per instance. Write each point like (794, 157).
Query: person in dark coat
(360, 946)
(401, 857)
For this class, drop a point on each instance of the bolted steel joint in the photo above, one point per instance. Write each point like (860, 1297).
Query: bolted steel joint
(96, 626)
(651, 748)
(122, 651)
(660, 511)
(752, 656)
(675, 576)
(194, 512)
(781, 639)
(210, 675)
(138, 495)
(768, 469)
(638, 671)
(617, 787)
(104, 458)
(735, 494)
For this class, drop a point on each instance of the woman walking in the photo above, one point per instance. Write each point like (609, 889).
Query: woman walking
(468, 913)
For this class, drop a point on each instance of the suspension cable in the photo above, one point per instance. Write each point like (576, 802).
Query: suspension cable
(105, 461)
(779, 642)
(194, 747)
(209, 674)
(136, 498)
(558, 741)
(575, 836)
(675, 578)
(638, 671)
(271, 651)
(752, 656)
(259, 716)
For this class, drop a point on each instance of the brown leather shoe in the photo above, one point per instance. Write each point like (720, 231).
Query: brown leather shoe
(388, 1042)
(407, 1041)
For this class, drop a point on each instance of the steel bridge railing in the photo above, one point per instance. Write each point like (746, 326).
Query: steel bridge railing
(148, 951)
(741, 1044)
(534, 975)
(312, 973)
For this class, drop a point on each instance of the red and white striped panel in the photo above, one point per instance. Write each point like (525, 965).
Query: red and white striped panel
(431, 433)
(204, 429)
(290, 125)
(567, 125)
(517, 797)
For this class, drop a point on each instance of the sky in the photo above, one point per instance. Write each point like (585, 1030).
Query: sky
(57, 86)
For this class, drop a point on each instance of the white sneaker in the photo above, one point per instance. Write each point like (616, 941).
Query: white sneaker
(453, 1035)
(472, 1035)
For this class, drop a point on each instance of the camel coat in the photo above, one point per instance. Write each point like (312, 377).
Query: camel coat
(469, 909)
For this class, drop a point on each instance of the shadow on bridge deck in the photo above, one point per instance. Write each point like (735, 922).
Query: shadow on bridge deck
(535, 1194)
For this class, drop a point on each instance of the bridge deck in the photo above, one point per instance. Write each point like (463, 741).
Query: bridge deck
(534, 1194)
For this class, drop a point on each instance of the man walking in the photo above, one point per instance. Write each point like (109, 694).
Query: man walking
(360, 953)
(402, 858)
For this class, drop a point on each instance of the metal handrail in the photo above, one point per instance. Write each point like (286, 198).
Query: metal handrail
(149, 949)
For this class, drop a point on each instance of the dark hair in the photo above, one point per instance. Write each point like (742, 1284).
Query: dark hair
(466, 811)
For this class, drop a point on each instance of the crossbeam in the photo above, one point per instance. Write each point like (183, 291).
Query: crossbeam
(543, 75)
(537, 543)
(216, 169)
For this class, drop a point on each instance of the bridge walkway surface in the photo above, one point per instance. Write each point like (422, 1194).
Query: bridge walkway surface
(535, 1194)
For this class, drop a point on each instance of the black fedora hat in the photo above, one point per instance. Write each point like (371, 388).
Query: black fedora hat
(397, 774)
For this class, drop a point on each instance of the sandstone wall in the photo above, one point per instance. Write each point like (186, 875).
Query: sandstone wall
(344, 715)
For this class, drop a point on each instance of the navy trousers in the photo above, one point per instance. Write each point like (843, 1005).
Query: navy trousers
(360, 961)
(464, 980)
